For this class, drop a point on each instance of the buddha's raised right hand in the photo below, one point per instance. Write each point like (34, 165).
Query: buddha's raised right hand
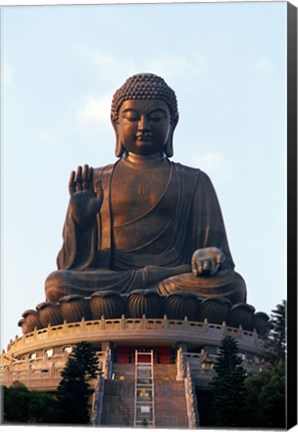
(85, 202)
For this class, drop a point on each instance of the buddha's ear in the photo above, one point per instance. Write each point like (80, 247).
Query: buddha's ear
(119, 149)
(169, 151)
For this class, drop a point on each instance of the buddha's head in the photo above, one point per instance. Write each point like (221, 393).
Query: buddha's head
(144, 115)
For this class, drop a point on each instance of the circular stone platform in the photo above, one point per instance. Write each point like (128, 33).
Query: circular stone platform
(42, 354)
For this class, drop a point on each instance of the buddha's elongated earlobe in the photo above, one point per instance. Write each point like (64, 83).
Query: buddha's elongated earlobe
(169, 144)
(119, 149)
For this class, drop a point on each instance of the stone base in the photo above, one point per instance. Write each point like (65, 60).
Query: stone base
(37, 358)
(148, 303)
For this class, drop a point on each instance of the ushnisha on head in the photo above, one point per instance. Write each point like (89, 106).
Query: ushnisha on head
(145, 86)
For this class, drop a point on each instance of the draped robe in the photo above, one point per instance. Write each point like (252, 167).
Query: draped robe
(161, 255)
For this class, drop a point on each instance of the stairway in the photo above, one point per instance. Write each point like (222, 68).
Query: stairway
(143, 395)
(170, 411)
(118, 403)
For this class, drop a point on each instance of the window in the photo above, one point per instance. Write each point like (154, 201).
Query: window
(67, 349)
(49, 352)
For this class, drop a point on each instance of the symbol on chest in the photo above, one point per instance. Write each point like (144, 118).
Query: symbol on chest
(144, 189)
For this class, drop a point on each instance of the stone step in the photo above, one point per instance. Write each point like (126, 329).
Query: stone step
(118, 403)
(170, 404)
(124, 370)
(165, 372)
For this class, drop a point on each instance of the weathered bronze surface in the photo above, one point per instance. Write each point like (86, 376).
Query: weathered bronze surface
(144, 221)
(148, 303)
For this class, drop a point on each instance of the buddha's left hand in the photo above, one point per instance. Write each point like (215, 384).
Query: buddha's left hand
(206, 261)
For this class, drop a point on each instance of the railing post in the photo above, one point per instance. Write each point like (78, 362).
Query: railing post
(144, 322)
(206, 325)
(108, 364)
(180, 365)
(224, 329)
(165, 322)
(8, 374)
(29, 372)
(123, 322)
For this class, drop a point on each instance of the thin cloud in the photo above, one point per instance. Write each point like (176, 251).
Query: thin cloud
(110, 69)
(94, 109)
(179, 66)
(114, 71)
(210, 161)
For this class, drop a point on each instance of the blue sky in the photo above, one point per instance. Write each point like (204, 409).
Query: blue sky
(60, 68)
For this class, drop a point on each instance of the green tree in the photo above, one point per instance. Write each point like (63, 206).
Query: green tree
(265, 392)
(42, 408)
(275, 337)
(254, 385)
(85, 355)
(275, 340)
(73, 391)
(15, 403)
(272, 398)
(228, 386)
(21, 406)
(265, 398)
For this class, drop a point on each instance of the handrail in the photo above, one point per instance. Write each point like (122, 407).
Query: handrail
(180, 365)
(108, 364)
(191, 405)
(97, 402)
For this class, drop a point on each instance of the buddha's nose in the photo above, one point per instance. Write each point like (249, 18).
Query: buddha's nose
(144, 124)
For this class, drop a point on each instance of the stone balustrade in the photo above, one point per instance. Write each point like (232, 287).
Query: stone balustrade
(38, 356)
(202, 365)
(45, 369)
(133, 330)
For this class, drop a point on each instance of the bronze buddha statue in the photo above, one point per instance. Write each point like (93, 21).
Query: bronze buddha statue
(144, 222)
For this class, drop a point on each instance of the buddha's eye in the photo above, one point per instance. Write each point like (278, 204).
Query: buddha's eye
(130, 115)
(158, 115)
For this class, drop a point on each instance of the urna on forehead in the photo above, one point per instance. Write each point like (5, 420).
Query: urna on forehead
(145, 86)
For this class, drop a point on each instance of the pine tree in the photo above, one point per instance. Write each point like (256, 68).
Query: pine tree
(85, 354)
(272, 398)
(228, 386)
(275, 339)
(73, 392)
(265, 398)
(254, 385)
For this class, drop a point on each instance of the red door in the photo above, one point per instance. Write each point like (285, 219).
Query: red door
(126, 354)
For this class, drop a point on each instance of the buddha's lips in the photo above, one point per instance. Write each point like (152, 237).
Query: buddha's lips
(143, 137)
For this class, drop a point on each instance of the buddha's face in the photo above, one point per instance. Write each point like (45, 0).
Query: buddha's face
(144, 126)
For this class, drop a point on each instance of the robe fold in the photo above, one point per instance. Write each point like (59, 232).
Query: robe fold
(88, 261)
